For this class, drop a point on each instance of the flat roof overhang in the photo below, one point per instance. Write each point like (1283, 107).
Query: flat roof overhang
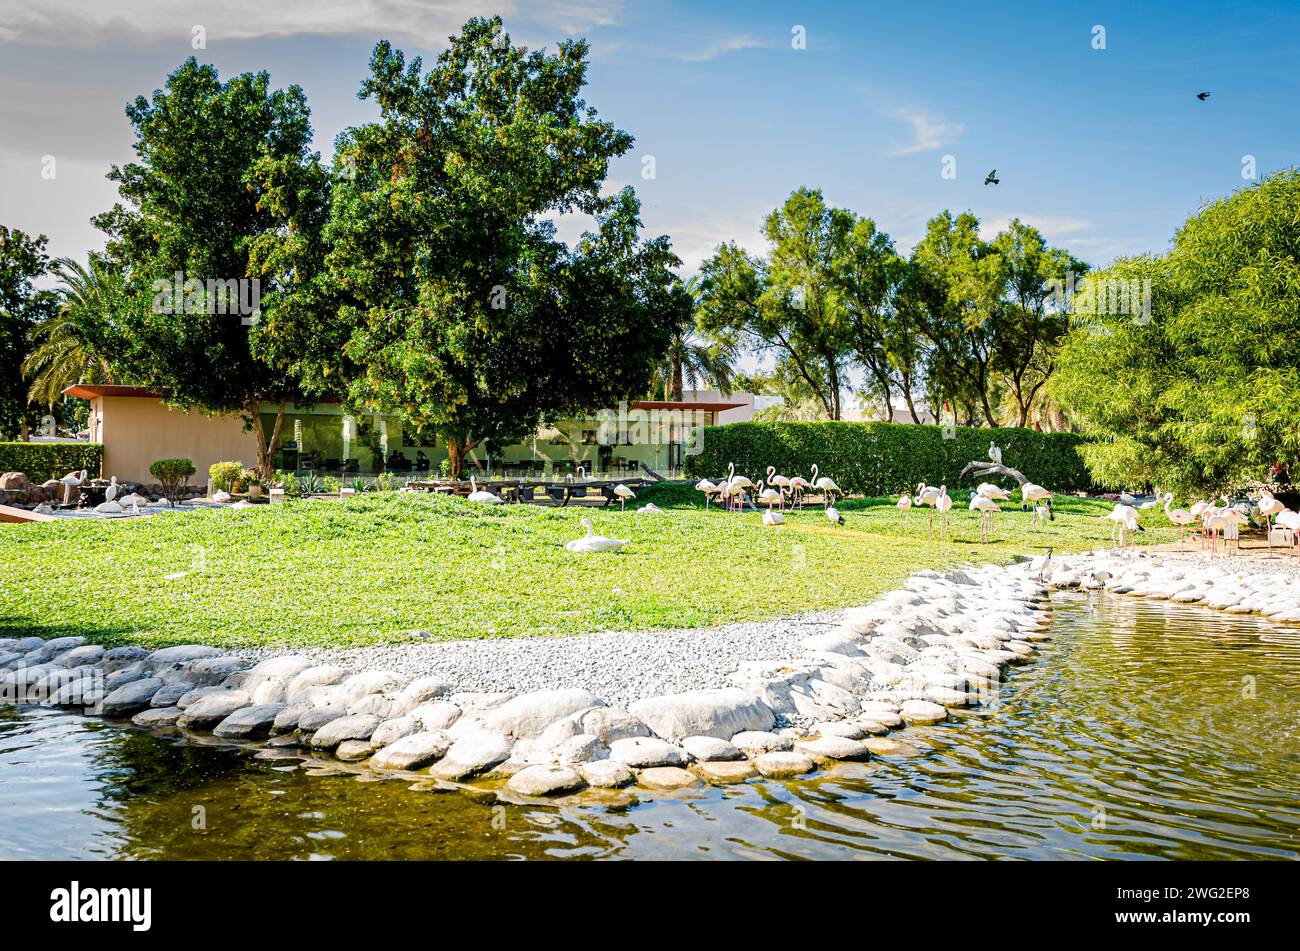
(88, 391)
(685, 405)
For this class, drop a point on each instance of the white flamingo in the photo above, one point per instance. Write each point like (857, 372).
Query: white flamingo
(1269, 507)
(1289, 523)
(592, 543)
(986, 507)
(481, 495)
(650, 509)
(781, 482)
(769, 495)
(709, 489)
(1123, 518)
(994, 492)
(905, 506)
(1032, 493)
(927, 495)
(826, 484)
(623, 493)
(773, 518)
(797, 486)
(1233, 519)
(738, 484)
(72, 481)
(1180, 517)
(943, 505)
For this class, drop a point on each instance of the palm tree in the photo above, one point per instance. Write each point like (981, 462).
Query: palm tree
(691, 361)
(73, 344)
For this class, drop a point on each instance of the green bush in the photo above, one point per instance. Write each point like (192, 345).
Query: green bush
(171, 475)
(225, 475)
(40, 461)
(887, 458)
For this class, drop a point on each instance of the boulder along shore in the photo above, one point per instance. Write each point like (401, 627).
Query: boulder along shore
(545, 717)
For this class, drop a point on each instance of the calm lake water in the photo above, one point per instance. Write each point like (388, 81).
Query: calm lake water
(1147, 730)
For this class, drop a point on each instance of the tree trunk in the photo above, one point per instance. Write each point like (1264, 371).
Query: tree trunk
(457, 450)
(677, 379)
(265, 447)
(988, 468)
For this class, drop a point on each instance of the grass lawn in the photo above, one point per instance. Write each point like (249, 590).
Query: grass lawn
(374, 568)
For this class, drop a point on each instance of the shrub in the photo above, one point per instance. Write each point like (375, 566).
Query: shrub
(887, 458)
(287, 481)
(40, 461)
(172, 474)
(225, 475)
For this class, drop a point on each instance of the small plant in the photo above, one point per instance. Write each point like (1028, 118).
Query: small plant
(361, 485)
(387, 482)
(311, 484)
(172, 475)
(247, 478)
(287, 481)
(331, 485)
(225, 475)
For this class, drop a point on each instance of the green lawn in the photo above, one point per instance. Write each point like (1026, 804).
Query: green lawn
(373, 568)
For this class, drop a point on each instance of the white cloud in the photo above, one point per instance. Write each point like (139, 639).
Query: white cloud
(1053, 227)
(730, 44)
(929, 132)
(77, 24)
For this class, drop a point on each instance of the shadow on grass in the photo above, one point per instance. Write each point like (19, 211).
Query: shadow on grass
(108, 635)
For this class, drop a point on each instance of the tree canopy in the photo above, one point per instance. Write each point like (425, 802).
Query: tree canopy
(1201, 393)
(23, 260)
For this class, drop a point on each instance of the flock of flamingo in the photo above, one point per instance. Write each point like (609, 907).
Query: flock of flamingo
(731, 493)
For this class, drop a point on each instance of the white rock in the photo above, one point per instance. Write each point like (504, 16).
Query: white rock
(358, 727)
(708, 749)
(719, 713)
(526, 716)
(756, 742)
(540, 780)
(643, 752)
(414, 751)
(472, 754)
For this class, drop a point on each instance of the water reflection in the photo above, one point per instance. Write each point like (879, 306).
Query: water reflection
(1148, 730)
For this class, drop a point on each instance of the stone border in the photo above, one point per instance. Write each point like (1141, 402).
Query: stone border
(941, 641)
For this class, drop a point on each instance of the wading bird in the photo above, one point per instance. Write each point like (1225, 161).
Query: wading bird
(781, 482)
(943, 505)
(591, 542)
(1180, 517)
(1123, 518)
(1033, 494)
(826, 484)
(927, 495)
(986, 507)
(623, 493)
(905, 506)
(994, 492)
(482, 495)
(709, 490)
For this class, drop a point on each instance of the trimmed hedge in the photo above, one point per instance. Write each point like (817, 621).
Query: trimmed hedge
(878, 459)
(40, 461)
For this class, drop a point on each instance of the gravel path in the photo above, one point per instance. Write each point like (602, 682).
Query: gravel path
(618, 667)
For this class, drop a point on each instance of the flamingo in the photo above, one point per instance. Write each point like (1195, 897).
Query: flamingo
(986, 507)
(481, 495)
(1269, 507)
(927, 495)
(994, 492)
(592, 543)
(1233, 519)
(738, 484)
(1033, 493)
(1180, 517)
(1288, 522)
(781, 482)
(623, 493)
(943, 505)
(709, 489)
(72, 481)
(1123, 518)
(797, 486)
(905, 506)
(773, 518)
(650, 509)
(825, 483)
(769, 495)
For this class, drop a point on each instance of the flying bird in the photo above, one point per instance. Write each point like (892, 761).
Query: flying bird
(992, 178)
(1202, 96)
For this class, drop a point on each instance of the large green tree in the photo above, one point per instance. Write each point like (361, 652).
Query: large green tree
(23, 308)
(457, 308)
(221, 167)
(1200, 390)
(790, 304)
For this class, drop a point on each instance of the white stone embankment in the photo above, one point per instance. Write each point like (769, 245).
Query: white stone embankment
(550, 716)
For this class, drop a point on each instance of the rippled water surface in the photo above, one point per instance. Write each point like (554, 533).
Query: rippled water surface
(1146, 730)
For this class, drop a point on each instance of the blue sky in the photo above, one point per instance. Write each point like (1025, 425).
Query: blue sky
(1107, 151)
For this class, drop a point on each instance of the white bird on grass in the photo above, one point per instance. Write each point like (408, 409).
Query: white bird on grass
(769, 495)
(781, 482)
(797, 486)
(1180, 517)
(927, 495)
(650, 509)
(994, 492)
(709, 489)
(773, 518)
(623, 493)
(825, 483)
(905, 506)
(1123, 518)
(592, 543)
(833, 514)
(943, 505)
(986, 507)
(481, 495)
(738, 484)
(1032, 494)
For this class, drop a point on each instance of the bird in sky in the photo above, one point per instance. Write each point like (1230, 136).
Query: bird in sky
(1202, 96)
(992, 178)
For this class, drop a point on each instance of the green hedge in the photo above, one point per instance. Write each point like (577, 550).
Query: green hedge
(885, 458)
(40, 461)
